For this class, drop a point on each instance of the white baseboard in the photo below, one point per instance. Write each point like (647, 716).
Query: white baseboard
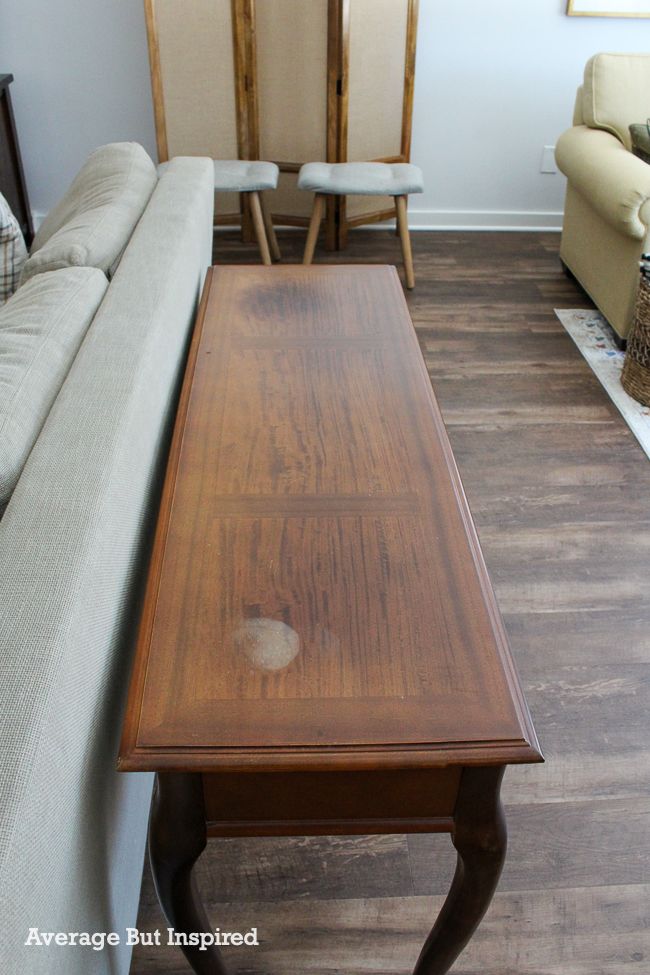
(483, 220)
(472, 220)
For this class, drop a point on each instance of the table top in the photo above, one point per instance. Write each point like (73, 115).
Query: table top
(317, 597)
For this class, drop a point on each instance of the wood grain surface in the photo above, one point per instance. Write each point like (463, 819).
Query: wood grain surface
(556, 484)
(318, 592)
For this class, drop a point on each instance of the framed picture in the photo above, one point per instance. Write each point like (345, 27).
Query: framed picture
(608, 8)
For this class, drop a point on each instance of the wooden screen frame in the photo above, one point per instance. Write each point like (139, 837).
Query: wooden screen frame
(338, 223)
(247, 104)
(245, 98)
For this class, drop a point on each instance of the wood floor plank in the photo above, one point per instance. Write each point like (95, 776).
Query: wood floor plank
(290, 868)
(542, 569)
(595, 843)
(559, 490)
(593, 931)
(563, 457)
(602, 761)
(551, 394)
(547, 642)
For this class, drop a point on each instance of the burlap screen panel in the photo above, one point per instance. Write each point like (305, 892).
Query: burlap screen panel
(376, 87)
(196, 63)
(291, 38)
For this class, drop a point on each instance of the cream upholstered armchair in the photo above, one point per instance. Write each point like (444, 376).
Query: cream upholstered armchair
(607, 211)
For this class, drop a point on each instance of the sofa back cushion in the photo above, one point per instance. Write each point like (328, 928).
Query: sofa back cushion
(92, 224)
(616, 93)
(41, 328)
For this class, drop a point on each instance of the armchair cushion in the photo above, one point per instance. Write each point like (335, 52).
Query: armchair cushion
(616, 93)
(614, 181)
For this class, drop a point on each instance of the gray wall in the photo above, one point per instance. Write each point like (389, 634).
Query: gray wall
(81, 75)
(495, 82)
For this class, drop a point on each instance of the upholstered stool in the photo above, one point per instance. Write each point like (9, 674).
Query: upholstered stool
(362, 179)
(251, 177)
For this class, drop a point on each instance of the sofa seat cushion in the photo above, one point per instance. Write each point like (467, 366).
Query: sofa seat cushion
(92, 224)
(41, 329)
(616, 93)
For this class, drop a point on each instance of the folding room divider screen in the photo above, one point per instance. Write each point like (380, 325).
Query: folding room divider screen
(290, 81)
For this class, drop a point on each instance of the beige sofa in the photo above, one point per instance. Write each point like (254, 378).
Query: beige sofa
(73, 550)
(607, 212)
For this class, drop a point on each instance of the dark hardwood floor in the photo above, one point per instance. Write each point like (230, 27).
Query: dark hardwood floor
(560, 491)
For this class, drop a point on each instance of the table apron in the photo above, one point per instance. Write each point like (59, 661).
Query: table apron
(329, 803)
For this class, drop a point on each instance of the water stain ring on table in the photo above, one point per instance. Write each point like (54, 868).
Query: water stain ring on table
(266, 643)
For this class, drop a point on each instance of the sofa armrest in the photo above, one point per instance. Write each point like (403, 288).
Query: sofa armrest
(614, 181)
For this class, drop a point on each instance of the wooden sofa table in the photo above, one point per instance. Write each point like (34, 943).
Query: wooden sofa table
(320, 650)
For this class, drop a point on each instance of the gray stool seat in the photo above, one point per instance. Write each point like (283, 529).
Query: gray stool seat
(244, 176)
(251, 177)
(361, 178)
(240, 175)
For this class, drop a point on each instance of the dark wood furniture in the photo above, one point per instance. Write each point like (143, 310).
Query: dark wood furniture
(320, 649)
(12, 178)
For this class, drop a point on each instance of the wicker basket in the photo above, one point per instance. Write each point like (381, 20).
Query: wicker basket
(636, 368)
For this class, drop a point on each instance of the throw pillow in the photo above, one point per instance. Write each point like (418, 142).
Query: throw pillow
(12, 251)
(640, 136)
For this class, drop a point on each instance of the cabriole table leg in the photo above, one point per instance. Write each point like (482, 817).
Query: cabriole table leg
(480, 839)
(177, 837)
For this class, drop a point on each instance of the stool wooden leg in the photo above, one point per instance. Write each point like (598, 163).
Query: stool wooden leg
(270, 230)
(403, 227)
(314, 227)
(246, 222)
(258, 223)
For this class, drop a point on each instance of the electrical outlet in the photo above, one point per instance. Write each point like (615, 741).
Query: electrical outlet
(548, 160)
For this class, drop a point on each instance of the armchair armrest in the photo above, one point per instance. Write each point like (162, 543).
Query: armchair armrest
(612, 179)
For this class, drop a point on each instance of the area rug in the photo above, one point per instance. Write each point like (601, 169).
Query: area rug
(595, 339)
